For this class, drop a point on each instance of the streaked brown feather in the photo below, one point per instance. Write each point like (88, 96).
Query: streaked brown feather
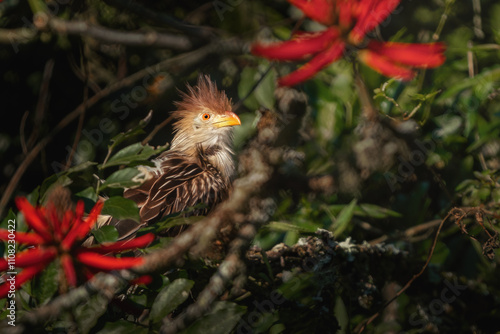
(184, 182)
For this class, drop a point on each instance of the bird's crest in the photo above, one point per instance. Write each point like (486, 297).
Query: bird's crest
(203, 96)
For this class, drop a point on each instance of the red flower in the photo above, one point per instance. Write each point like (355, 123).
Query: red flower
(55, 237)
(348, 22)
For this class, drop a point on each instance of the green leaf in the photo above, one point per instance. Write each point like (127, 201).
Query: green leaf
(486, 76)
(342, 315)
(170, 297)
(128, 154)
(10, 216)
(38, 6)
(121, 208)
(78, 168)
(366, 210)
(89, 313)
(466, 184)
(34, 196)
(264, 93)
(375, 211)
(286, 227)
(291, 238)
(295, 286)
(343, 219)
(178, 221)
(121, 179)
(105, 234)
(244, 132)
(424, 97)
(88, 196)
(222, 319)
(133, 153)
(48, 282)
(247, 81)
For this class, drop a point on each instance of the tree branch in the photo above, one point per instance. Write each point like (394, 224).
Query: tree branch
(45, 22)
(162, 18)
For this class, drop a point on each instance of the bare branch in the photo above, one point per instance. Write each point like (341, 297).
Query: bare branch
(151, 38)
(17, 36)
(43, 101)
(162, 18)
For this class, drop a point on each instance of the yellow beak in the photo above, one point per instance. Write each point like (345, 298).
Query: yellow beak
(228, 119)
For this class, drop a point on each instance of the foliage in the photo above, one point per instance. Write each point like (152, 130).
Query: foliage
(356, 199)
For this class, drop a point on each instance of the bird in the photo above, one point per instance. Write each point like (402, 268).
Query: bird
(197, 169)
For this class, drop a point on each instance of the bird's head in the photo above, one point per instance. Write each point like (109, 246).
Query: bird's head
(204, 117)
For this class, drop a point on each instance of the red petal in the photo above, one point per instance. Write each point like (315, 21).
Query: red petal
(385, 66)
(24, 276)
(66, 222)
(138, 242)
(91, 219)
(416, 55)
(35, 256)
(33, 219)
(71, 236)
(22, 237)
(345, 9)
(371, 14)
(106, 262)
(30, 257)
(323, 59)
(317, 10)
(80, 228)
(79, 210)
(54, 220)
(69, 269)
(3, 264)
(89, 273)
(301, 46)
(146, 279)
(362, 9)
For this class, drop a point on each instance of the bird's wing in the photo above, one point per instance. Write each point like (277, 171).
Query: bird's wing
(179, 184)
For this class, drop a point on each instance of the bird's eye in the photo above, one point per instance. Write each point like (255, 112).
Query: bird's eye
(205, 116)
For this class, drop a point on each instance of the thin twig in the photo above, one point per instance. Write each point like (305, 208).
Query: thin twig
(22, 135)
(42, 103)
(156, 129)
(442, 20)
(82, 115)
(472, 73)
(410, 232)
(238, 104)
(408, 284)
(478, 25)
(80, 75)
